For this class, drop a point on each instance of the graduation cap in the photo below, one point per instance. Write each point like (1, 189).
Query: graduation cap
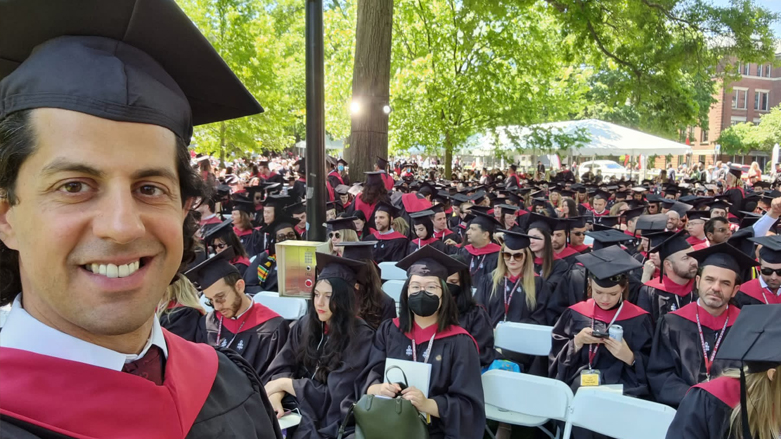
(651, 223)
(478, 197)
(297, 208)
(622, 194)
(749, 218)
(437, 208)
(600, 194)
(770, 195)
(429, 261)
(358, 251)
(608, 266)
(382, 163)
(633, 213)
(342, 161)
(605, 222)
(639, 189)
(703, 215)
(278, 201)
(422, 217)
(607, 238)
(483, 209)
(342, 189)
(771, 248)
(762, 184)
(331, 266)
(753, 340)
(672, 243)
(487, 222)
(737, 171)
(330, 205)
(719, 202)
(724, 255)
(346, 223)
(515, 240)
(208, 272)
(508, 209)
(384, 206)
(461, 198)
(218, 230)
(124, 60)
(244, 205)
(374, 177)
(680, 208)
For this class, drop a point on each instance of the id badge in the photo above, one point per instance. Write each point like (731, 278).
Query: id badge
(590, 378)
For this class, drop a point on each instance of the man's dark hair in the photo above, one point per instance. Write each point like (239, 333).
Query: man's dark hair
(17, 144)
(710, 225)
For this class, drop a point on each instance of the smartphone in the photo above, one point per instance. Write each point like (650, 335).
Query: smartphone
(599, 334)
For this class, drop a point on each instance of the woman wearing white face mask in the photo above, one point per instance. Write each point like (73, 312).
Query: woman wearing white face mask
(427, 331)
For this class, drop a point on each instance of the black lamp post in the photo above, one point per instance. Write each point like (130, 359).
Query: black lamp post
(315, 122)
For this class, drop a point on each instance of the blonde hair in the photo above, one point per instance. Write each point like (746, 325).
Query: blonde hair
(527, 275)
(182, 292)
(617, 207)
(348, 235)
(400, 225)
(763, 397)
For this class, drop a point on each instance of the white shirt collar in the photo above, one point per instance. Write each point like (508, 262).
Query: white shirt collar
(23, 331)
(386, 233)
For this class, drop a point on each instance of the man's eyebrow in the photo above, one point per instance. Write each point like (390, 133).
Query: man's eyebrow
(63, 165)
(155, 172)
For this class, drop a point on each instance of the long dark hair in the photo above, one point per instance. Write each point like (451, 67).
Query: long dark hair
(230, 238)
(448, 310)
(464, 301)
(547, 253)
(427, 223)
(17, 144)
(374, 192)
(326, 358)
(369, 296)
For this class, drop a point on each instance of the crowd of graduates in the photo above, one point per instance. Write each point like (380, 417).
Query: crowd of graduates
(672, 266)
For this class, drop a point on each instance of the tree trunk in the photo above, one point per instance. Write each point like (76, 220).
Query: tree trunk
(371, 86)
(222, 143)
(448, 156)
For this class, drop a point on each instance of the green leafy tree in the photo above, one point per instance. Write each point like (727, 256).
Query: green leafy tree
(738, 139)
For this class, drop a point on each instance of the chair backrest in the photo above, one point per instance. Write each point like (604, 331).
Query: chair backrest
(389, 271)
(393, 289)
(205, 303)
(524, 338)
(290, 308)
(544, 397)
(619, 416)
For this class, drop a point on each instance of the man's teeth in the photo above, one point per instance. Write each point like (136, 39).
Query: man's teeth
(114, 271)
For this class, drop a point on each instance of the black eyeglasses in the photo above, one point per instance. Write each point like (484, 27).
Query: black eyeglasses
(281, 238)
(507, 256)
(334, 235)
(769, 271)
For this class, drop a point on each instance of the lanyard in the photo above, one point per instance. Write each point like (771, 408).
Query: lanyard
(592, 351)
(678, 301)
(427, 353)
(709, 361)
(764, 296)
(478, 265)
(219, 332)
(510, 298)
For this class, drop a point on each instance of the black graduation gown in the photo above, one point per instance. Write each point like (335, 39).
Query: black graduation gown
(336, 179)
(299, 190)
(482, 261)
(566, 364)
(205, 394)
(518, 311)
(477, 323)
(752, 293)
(559, 269)
(258, 335)
(455, 376)
(389, 247)
(388, 307)
(453, 221)
(661, 297)
(677, 361)
(252, 242)
(705, 411)
(735, 197)
(182, 321)
(416, 244)
(323, 406)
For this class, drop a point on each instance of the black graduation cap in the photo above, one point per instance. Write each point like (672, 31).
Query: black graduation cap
(461, 198)
(478, 197)
(698, 215)
(278, 201)
(605, 222)
(342, 161)
(330, 266)
(634, 213)
(622, 194)
(724, 255)
(541, 222)
(139, 61)
(719, 202)
(219, 230)
(737, 171)
(761, 184)
(771, 248)
(483, 209)
(607, 238)
(600, 194)
(358, 250)
(244, 205)
(382, 163)
(384, 206)
(429, 261)
(252, 190)
(651, 223)
(673, 243)
(342, 223)
(341, 189)
(749, 218)
(508, 209)
(607, 266)
(422, 217)
(770, 195)
(680, 208)
(213, 269)
(374, 177)
(437, 208)
(297, 208)
(515, 240)
(487, 222)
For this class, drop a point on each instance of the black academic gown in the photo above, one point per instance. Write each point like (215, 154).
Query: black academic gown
(662, 297)
(518, 310)
(388, 308)
(181, 320)
(477, 323)
(257, 335)
(566, 364)
(677, 360)
(705, 411)
(752, 293)
(455, 382)
(252, 242)
(221, 397)
(323, 406)
(482, 261)
(389, 247)
(416, 244)
(299, 190)
(559, 269)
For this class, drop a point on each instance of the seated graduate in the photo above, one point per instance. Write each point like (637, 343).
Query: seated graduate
(471, 316)
(550, 269)
(221, 237)
(441, 230)
(686, 341)
(249, 328)
(274, 210)
(339, 230)
(262, 273)
(765, 289)
(587, 349)
(427, 331)
(423, 227)
(242, 212)
(325, 353)
(512, 292)
(361, 228)
(715, 409)
(298, 212)
(391, 245)
(481, 251)
(180, 310)
(374, 306)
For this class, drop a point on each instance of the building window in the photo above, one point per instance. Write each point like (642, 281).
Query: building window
(768, 68)
(736, 120)
(739, 99)
(704, 136)
(746, 69)
(761, 100)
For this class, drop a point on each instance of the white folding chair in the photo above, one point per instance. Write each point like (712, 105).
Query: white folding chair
(290, 308)
(523, 399)
(524, 338)
(205, 303)
(618, 416)
(393, 289)
(389, 271)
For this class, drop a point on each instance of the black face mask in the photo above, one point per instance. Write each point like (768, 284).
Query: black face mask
(423, 304)
(455, 290)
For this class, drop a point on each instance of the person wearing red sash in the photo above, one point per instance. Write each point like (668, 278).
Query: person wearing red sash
(427, 331)
(423, 227)
(336, 177)
(241, 217)
(373, 192)
(549, 268)
(391, 245)
(222, 237)
(577, 235)
(268, 175)
(513, 182)
(764, 290)
(441, 231)
(687, 340)
(585, 343)
(695, 226)
(734, 192)
(96, 198)
(180, 310)
(599, 203)
(249, 328)
(481, 252)
(382, 165)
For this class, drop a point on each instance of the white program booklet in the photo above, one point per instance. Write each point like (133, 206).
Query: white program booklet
(418, 374)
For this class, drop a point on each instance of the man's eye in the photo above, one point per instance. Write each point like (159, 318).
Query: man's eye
(73, 187)
(150, 190)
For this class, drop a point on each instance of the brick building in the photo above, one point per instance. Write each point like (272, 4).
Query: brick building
(746, 100)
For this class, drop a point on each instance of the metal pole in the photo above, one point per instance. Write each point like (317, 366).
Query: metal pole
(315, 122)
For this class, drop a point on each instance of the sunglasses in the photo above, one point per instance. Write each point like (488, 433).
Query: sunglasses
(578, 233)
(335, 235)
(769, 271)
(508, 256)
